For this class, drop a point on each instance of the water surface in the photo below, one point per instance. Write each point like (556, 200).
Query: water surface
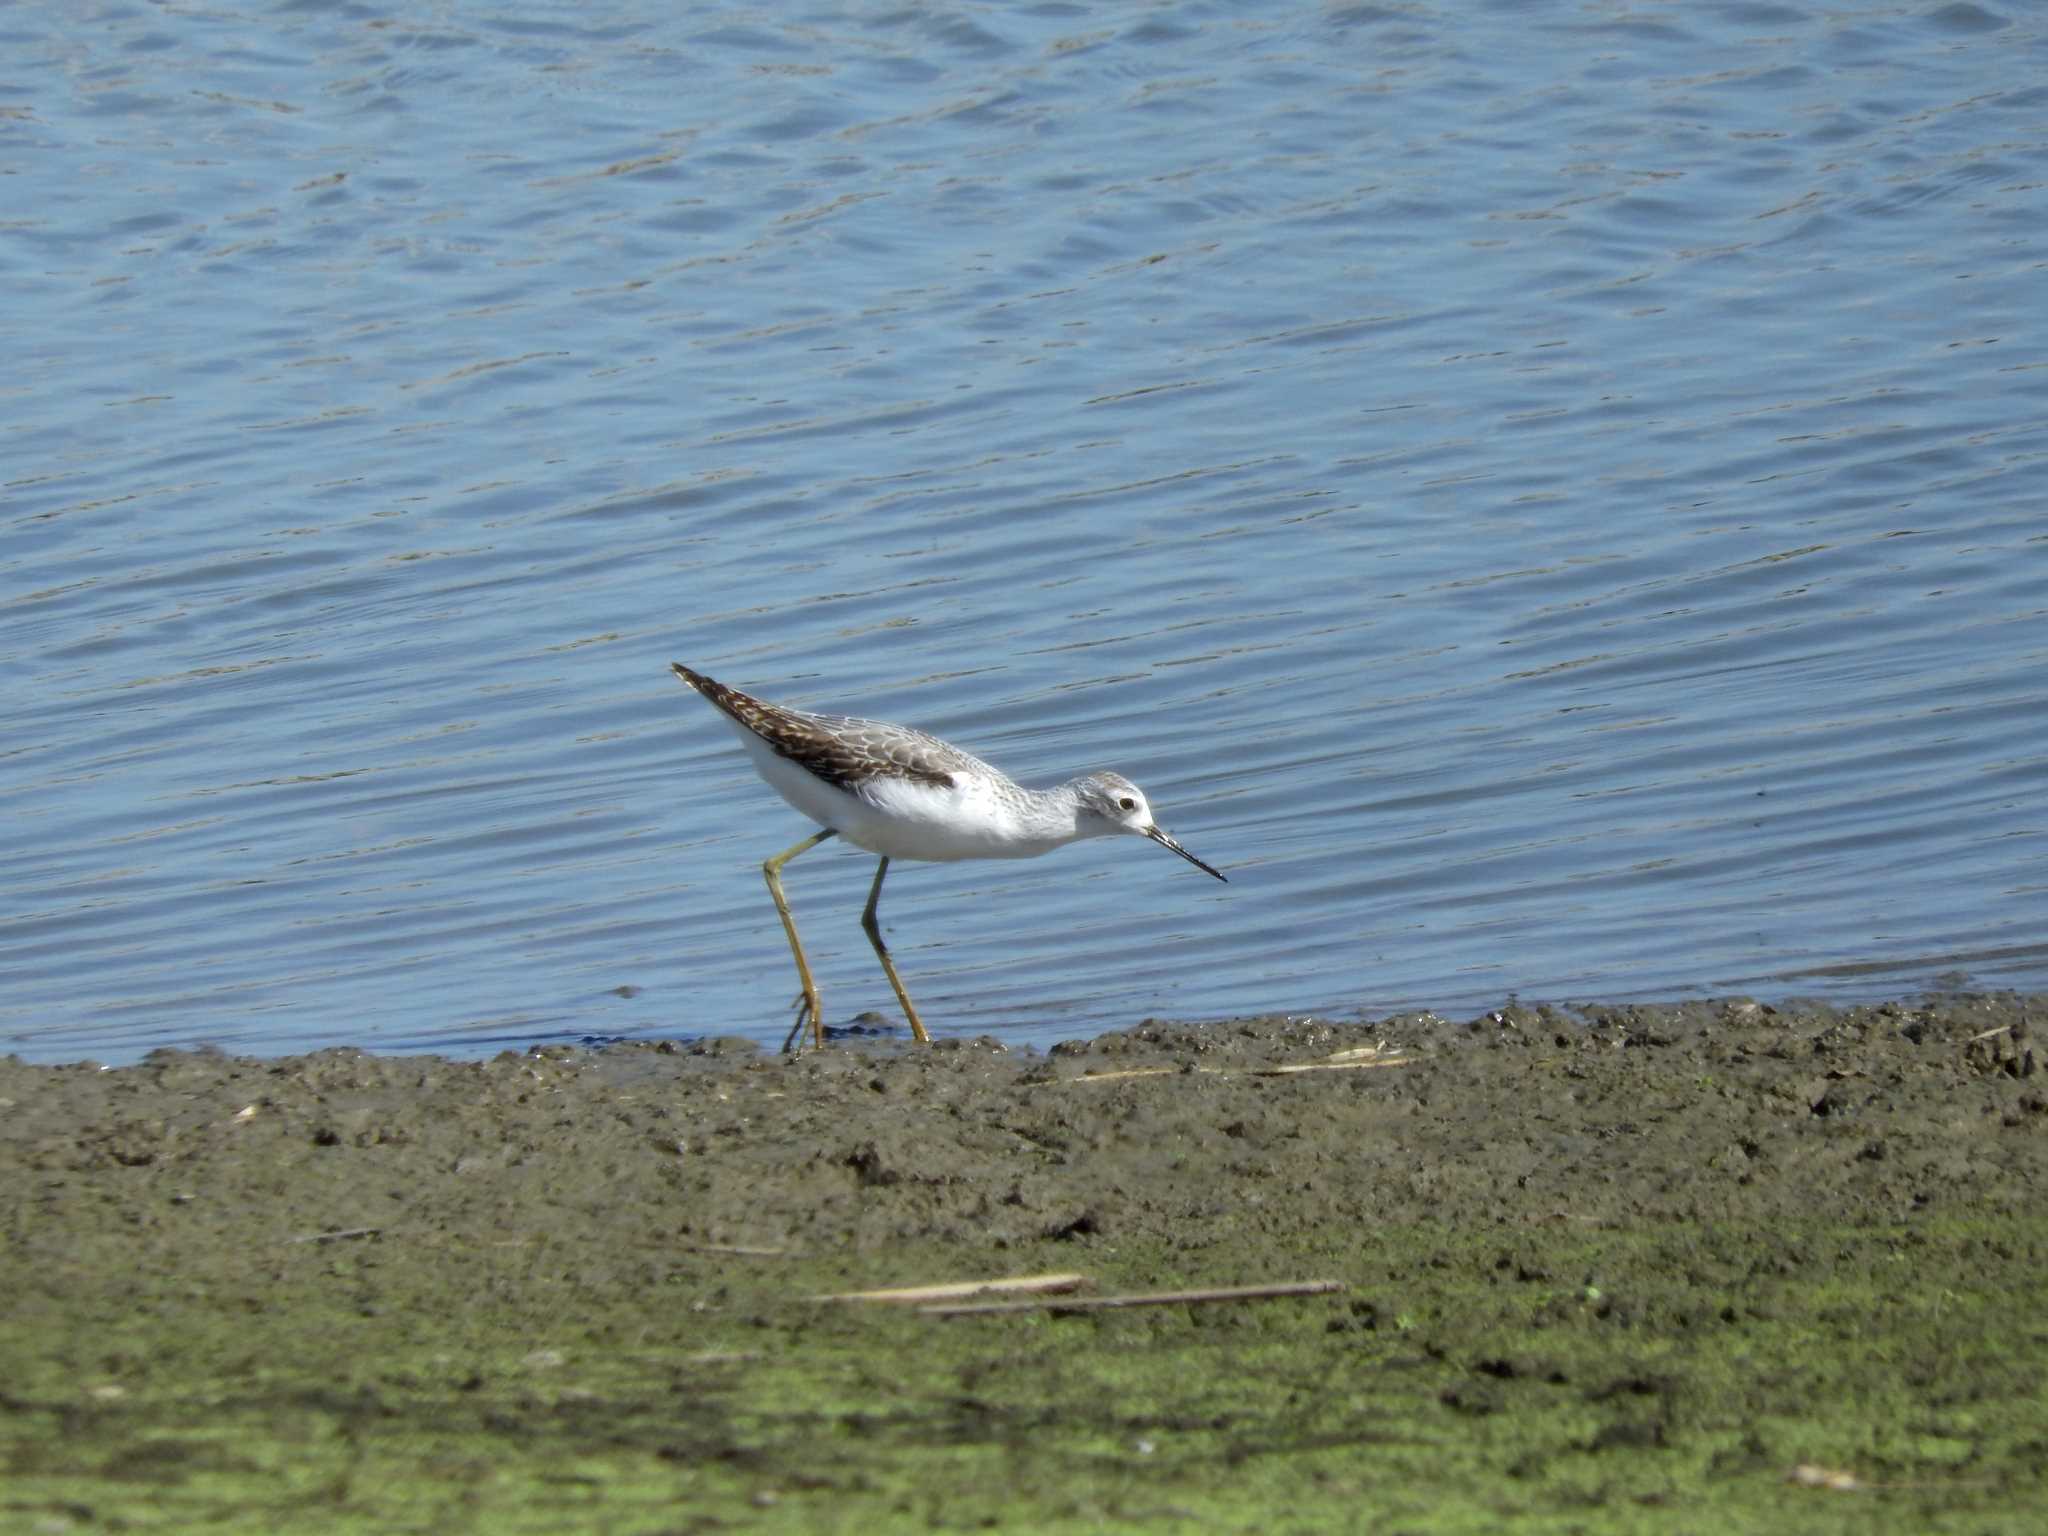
(1550, 504)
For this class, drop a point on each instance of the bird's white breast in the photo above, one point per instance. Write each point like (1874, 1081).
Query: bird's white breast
(974, 818)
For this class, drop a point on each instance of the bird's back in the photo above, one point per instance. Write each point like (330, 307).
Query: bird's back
(844, 751)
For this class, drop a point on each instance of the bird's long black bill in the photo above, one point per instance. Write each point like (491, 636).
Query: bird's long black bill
(1160, 836)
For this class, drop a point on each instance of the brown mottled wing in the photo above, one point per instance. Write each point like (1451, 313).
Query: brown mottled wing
(842, 751)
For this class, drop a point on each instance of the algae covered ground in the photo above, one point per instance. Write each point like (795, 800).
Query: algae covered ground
(1700, 1268)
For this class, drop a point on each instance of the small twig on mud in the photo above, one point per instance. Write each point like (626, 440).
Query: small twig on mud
(953, 1290)
(1834, 1480)
(336, 1237)
(1342, 1061)
(1331, 1066)
(1807, 1475)
(1142, 1299)
(2003, 1029)
(744, 1250)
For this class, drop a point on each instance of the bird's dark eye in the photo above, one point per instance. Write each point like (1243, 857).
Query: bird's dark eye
(1127, 804)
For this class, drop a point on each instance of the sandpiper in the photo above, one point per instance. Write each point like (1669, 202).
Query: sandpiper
(903, 794)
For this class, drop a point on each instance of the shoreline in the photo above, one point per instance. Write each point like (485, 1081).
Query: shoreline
(1650, 1251)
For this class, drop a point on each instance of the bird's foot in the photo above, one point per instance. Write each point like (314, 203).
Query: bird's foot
(808, 1018)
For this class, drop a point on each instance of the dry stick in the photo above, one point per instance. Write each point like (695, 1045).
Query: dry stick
(1146, 1299)
(1305, 1066)
(335, 1237)
(954, 1289)
(1331, 1066)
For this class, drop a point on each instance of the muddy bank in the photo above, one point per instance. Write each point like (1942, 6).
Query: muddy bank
(1592, 1263)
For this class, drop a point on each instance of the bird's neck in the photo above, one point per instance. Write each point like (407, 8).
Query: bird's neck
(1053, 816)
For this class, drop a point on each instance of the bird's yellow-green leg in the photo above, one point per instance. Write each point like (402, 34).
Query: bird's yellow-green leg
(867, 921)
(807, 1008)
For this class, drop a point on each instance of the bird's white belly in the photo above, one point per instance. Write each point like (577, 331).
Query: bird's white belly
(972, 820)
(906, 818)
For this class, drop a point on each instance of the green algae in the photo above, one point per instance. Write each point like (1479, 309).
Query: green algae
(506, 1301)
(1565, 1382)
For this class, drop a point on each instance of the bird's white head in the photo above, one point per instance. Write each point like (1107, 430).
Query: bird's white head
(1108, 803)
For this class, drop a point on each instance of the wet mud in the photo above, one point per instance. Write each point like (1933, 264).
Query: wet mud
(1764, 1267)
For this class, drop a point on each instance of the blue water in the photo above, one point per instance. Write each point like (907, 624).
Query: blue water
(1549, 499)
